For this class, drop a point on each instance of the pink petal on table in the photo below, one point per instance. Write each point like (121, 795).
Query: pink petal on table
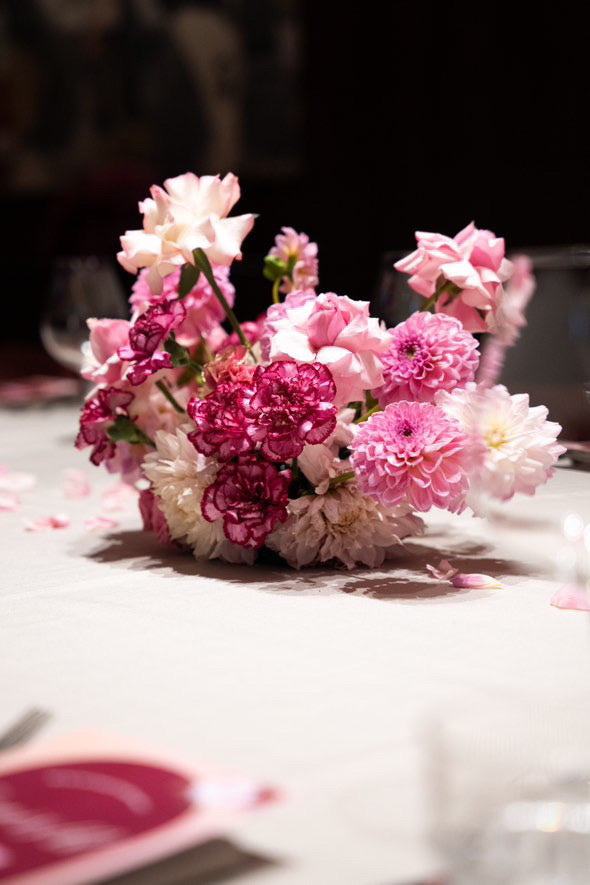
(47, 523)
(8, 502)
(120, 497)
(76, 484)
(99, 523)
(474, 581)
(572, 597)
(444, 571)
(14, 481)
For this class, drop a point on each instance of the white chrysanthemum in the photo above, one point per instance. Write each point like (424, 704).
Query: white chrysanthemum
(520, 447)
(342, 525)
(179, 476)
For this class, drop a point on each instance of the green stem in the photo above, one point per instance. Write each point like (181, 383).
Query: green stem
(446, 287)
(171, 399)
(275, 290)
(368, 414)
(342, 478)
(202, 262)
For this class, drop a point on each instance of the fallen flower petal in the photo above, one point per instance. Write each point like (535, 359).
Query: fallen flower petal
(444, 571)
(14, 481)
(119, 497)
(572, 597)
(76, 484)
(471, 582)
(98, 523)
(8, 502)
(57, 521)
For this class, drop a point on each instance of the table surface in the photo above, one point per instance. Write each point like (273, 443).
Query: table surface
(313, 681)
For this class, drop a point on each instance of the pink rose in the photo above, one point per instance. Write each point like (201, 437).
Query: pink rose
(103, 365)
(189, 213)
(473, 261)
(333, 330)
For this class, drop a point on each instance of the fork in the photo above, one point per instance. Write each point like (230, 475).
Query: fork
(24, 728)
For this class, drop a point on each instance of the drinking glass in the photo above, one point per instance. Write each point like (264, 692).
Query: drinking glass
(81, 288)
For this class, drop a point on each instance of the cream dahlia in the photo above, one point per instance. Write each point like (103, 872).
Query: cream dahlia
(342, 526)
(520, 445)
(179, 476)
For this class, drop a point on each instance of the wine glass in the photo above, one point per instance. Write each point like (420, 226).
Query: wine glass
(81, 287)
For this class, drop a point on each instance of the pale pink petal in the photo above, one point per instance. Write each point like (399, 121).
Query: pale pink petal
(572, 597)
(47, 523)
(76, 484)
(119, 497)
(14, 481)
(475, 581)
(8, 502)
(444, 571)
(100, 523)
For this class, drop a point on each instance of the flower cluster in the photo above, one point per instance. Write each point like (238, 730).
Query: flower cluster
(313, 431)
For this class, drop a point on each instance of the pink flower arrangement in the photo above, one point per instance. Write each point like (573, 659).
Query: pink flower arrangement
(314, 432)
(428, 352)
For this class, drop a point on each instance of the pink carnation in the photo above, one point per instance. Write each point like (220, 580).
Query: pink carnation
(203, 310)
(228, 366)
(473, 261)
(295, 249)
(152, 517)
(251, 498)
(103, 364)
(146, 335)
(510, 316)
(332, 330)
(292, 405)
(428, 352)
(97, 415)
(189, 213)
(222, 425)
(413, 452)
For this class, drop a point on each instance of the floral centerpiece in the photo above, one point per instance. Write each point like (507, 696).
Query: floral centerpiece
(314, 432)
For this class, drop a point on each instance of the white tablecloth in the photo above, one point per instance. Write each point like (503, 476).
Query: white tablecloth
(312, 681)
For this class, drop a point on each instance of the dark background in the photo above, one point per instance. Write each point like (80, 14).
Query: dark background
(356, 125)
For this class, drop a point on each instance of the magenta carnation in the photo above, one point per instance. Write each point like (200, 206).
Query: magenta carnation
(292, 405)
(428, 352)
(222, 425)
(145, 336)
(413, 452)
(203, 310)
(251, 498)
(98, 414)
(152, 517)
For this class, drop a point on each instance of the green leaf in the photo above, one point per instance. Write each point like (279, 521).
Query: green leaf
(189, 276)
(180, 355)
(124, 429)
(274, 268)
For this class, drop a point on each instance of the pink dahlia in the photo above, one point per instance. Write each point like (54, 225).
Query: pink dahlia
(222, 425)
(251, 498)
(332, 330)
(473, 261)
(98, 413)
(292, 405)
(203, 310)
(297, 253)
(413, 452)
(428, 352)
(146, 335)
